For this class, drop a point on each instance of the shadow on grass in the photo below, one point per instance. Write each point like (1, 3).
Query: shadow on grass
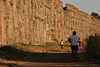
(10, 53)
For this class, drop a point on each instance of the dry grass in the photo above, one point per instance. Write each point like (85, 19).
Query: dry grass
(47, 47)
(29, 52)
(27, 48)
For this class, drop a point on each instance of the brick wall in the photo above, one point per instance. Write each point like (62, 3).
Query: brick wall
(36, 22)
(80, 21)
(31, 21)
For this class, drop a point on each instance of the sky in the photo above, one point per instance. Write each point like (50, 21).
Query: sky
(87, 6)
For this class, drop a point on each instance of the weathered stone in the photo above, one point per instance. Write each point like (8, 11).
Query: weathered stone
(36, 22)
(80, 21)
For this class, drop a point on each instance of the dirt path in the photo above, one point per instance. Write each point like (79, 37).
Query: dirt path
(41, 64)
(54, 59)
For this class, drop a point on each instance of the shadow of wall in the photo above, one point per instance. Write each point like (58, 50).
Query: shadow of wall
(10, 53)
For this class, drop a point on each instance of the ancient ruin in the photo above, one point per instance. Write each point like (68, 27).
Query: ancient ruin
(36, 22)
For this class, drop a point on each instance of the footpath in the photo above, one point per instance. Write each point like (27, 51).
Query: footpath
(55, 59)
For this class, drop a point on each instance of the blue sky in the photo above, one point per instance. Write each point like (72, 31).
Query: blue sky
(87, 6)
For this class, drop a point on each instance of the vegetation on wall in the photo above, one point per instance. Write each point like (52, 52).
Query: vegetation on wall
(96, 15)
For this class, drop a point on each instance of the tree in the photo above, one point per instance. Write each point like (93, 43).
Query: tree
(96, 15)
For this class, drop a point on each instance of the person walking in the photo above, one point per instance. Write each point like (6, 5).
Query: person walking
(62, 44)
(75, 41)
